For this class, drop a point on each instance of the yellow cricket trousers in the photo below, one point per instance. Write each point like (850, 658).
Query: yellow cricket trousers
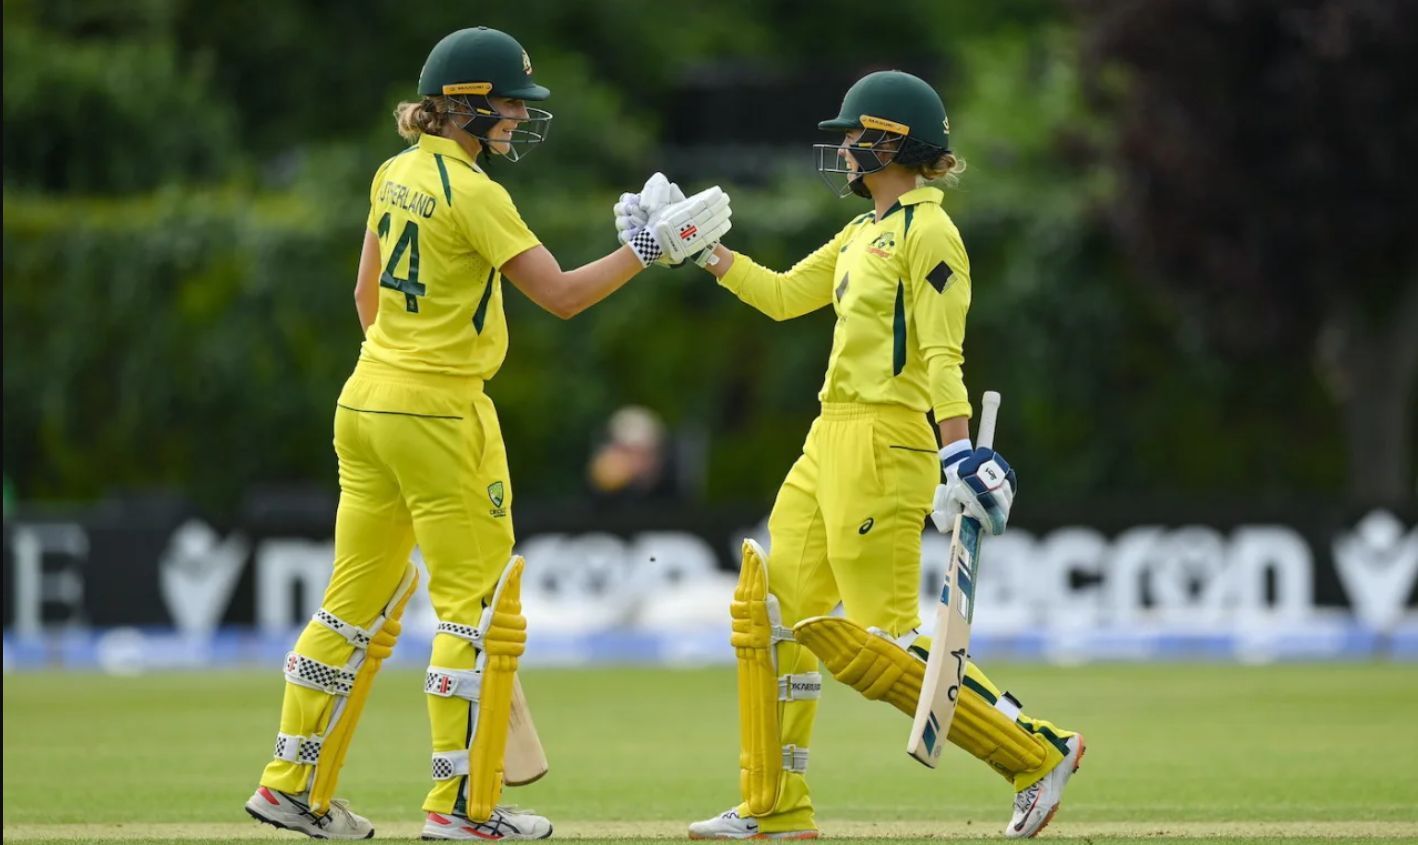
(421, 460)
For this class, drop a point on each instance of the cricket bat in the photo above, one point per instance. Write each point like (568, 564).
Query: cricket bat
(945, 668)
(524, 761)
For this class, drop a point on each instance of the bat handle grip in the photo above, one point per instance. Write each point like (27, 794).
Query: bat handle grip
(989, 412)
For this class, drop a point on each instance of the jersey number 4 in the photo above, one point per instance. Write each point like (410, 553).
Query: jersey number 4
(408, 240)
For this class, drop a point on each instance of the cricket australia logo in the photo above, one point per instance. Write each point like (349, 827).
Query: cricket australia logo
(496, 493)
(883, 245)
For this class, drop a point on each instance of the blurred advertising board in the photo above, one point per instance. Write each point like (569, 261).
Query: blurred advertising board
(129, 586)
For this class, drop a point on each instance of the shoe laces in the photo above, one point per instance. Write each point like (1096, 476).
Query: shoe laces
(1025, 798)
(337, 806)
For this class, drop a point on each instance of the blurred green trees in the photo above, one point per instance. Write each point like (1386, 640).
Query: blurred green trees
(185, 186)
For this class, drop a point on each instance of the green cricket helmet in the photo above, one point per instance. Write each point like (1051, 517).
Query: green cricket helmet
(470, 66)
(902, 119)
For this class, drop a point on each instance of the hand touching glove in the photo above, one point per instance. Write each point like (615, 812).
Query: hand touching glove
(979, 483)
(639, 213)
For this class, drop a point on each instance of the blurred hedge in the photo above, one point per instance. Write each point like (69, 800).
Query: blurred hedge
(185, 188)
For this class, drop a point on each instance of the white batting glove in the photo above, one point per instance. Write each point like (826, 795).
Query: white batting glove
(660, 193)
(690, 227)
(633, 213)
(630, 217)
(682, 229)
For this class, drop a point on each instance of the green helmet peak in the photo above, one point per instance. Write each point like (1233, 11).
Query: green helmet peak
(896, 102)
(480, 61)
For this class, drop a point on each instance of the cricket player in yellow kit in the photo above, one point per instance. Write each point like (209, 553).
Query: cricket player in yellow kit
(847, 522)
(421, 456)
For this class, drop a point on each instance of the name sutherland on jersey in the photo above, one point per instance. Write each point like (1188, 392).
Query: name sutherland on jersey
(402, 197)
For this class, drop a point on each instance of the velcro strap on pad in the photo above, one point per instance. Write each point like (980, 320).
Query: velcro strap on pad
(294, 748)
(306, 672)
(450, 764)
(463, 683)
(470, 633)
(1009, 706)
(357, 636)
(794, 759)
(803, 687)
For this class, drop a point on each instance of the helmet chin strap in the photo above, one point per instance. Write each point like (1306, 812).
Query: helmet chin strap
(858, 186)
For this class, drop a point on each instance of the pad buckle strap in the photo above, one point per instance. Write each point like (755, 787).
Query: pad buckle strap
(450, 764)
(794, 759)
(904, 642)
(470, 633)
(312, 674)
(1009, 706)
(463, 683)
(294, 748)
(803, 687)
(908, 639)
(782, 634)
(357, 636)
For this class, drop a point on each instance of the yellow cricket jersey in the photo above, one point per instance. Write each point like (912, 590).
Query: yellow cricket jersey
(444, 230)
(901, 289)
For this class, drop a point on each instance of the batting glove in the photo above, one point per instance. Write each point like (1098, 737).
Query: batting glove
(684, 229)
(978, 483)
(633, 211)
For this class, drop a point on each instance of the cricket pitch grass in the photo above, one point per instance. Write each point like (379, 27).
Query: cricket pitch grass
(1287, 753)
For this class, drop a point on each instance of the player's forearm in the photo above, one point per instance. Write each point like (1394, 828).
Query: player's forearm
(567, 293)
(590, 283)
(366, 293)
(954, 429)
(368, 308)
(724, 260)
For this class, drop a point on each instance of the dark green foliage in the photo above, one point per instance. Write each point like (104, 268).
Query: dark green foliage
(186, 185)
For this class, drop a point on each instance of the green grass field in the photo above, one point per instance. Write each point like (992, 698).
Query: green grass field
(1215, 753)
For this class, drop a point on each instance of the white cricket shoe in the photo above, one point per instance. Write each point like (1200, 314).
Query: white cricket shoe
(292, 812)
(1034, 807)
(505, 823)
(730, 825)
